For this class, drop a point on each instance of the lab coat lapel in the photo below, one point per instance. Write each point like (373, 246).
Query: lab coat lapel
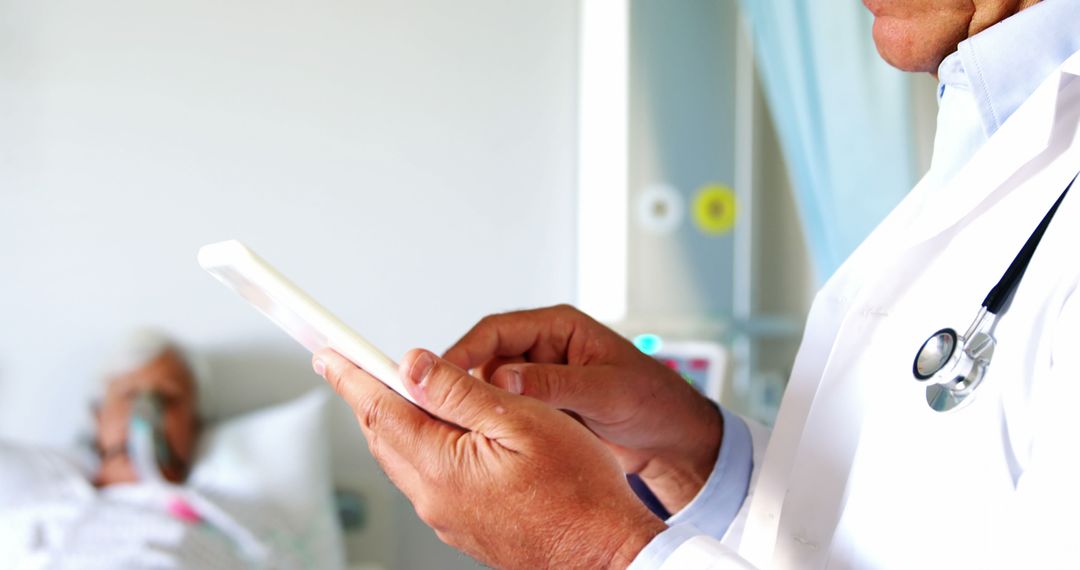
(816, 489)
(830, 309)
(1030, 140)
(812, 482)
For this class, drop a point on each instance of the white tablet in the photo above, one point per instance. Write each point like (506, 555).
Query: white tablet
(235, 265)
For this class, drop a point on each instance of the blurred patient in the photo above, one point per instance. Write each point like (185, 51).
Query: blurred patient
(125, 509)
(150, 365)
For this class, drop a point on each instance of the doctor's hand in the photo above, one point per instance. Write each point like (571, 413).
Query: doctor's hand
(657, 425)
(504, 478)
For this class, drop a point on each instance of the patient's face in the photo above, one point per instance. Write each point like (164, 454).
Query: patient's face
(169, 378)
(915, 35)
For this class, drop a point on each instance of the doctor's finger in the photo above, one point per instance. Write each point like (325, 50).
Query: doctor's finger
(486, 370)
(395, 429)
(543, 334)
(587, 390)
(401, 472)
(452, 394)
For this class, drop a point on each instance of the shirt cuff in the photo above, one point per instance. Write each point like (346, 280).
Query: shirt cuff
(716, 505)
(719, 501)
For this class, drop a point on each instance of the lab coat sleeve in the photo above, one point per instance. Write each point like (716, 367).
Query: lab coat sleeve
(709, 526)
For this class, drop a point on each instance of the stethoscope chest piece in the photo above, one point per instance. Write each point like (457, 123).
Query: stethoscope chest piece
(952, 366)
(935, 354)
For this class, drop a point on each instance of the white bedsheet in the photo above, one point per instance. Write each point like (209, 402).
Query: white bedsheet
(59, 520)
(264, 501)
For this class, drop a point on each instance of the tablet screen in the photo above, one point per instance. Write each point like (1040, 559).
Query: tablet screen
(278, 312)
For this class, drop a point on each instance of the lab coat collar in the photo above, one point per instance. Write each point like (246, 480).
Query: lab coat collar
(1026, 141)
(1004, 64)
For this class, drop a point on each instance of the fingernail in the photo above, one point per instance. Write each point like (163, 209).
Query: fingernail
(514, 385)
(420, 368)
(320, 367)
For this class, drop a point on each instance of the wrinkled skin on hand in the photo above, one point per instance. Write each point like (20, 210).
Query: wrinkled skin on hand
(655, 423)
(505, 478)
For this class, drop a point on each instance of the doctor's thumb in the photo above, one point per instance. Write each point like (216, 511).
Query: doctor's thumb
(576, 388)
(452, 394)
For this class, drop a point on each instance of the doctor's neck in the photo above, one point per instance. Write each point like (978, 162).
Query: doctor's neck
(915, 35)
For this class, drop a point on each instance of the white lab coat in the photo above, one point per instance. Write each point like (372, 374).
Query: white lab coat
(859, 472)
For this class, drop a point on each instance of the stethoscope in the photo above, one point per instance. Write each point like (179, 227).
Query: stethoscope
(952, 366)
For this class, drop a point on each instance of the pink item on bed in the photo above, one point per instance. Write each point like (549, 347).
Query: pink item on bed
(183, 510)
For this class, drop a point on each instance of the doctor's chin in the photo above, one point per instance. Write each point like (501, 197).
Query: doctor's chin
(629, 284)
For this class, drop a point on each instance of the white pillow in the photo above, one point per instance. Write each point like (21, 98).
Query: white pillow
(273, 465)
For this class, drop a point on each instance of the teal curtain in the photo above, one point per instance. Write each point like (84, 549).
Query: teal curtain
(842, 114)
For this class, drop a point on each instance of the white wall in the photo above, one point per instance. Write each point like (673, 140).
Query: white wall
(409, 162)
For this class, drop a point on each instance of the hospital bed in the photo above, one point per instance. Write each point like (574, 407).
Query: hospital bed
(260, 495)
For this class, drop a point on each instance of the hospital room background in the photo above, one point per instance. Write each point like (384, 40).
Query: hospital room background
(684, 170)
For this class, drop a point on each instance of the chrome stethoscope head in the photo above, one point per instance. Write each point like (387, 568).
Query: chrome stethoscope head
(952, 365)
